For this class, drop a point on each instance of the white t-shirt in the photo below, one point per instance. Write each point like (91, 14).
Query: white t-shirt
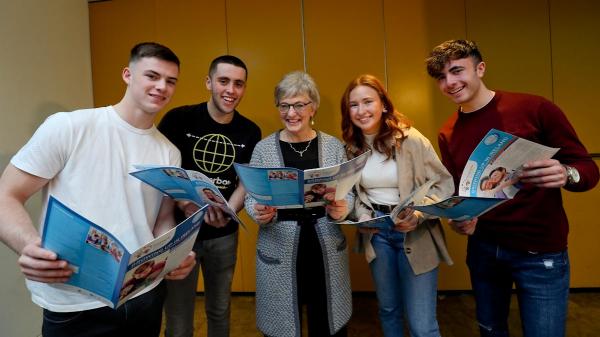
(87, 155)
(379, 177)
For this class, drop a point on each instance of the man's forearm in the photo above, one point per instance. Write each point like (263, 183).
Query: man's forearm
(16, 227)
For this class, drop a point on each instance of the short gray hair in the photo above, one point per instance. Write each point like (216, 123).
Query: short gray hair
(297, 83)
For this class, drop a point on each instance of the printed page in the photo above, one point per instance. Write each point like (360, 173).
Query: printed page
(274, 186)
(96, 257)
(490, 176)
(492, 168)
(381, 222)
(151, 262)
(187, 185)
(100, 262)
(387, 221)
(337, 179)
(460, 208)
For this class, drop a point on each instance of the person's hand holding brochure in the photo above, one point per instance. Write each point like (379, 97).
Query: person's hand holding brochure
(185, 185)
(285, 187)
(388, 221)
(102, 267)
(490, 176)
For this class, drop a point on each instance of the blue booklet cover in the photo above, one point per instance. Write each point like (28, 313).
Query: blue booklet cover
(286, 187)
(186, 185)
(387, 221)
(490, 176)
(102, 267)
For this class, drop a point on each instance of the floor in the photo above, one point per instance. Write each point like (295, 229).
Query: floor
(456, 316)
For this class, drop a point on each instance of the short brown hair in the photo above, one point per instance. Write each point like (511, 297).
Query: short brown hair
(449, 51)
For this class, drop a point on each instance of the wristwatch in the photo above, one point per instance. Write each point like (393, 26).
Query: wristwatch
(572, 175)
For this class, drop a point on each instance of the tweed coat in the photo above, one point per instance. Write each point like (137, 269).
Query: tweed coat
(276, 253)
(416, 164)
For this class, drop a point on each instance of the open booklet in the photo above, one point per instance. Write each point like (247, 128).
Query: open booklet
(186, 185)
(490, 176)
(286, 187)
(387, 221)
(102, 267)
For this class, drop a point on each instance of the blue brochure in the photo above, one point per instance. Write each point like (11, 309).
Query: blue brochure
(102, 267)
(387, 221)
(490, 176)
(285, 187)
(186, 185)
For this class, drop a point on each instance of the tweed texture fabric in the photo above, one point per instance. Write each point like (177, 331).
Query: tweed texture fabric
(276, 252)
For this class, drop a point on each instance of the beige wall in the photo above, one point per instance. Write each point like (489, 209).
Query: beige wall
(537, 46)
(45, 67)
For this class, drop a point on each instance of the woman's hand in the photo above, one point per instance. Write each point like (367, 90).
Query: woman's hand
(336, 209)
(263, 213)
(406, 220)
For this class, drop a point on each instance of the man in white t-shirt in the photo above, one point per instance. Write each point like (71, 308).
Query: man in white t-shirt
(83, 159)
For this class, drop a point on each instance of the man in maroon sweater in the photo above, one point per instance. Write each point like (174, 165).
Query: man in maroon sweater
(524, 240)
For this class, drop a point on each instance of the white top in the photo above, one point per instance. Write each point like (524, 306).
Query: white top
(379, 177)
(87, 155)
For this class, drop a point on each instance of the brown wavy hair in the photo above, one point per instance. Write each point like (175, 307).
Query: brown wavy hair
(390, 133)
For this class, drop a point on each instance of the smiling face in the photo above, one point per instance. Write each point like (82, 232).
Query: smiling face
(297, 122)
(227, 85)
(461, 81)
(497, 175)
(150, 83)
(366, 109)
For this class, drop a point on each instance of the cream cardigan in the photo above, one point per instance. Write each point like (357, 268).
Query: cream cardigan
(417, 163)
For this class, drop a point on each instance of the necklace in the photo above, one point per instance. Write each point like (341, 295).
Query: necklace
(301, 152)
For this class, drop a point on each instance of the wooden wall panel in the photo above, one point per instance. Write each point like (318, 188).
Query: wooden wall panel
(197, 32)
(444, 20)
(267, 35)
(412, 30)
(575, 50)
(343, 40)
(115, 27)
(410, 35)
(514, 38)
(575, 47)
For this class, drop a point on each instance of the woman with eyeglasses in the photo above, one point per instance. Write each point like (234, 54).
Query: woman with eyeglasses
(404, 259)
(301, 255)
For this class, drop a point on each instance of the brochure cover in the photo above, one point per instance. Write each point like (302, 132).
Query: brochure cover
(387, 221)
(490, 176)
(186, 185)
(285, 187)
(102, 267)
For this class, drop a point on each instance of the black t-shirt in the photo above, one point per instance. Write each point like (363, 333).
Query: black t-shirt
(211, 148)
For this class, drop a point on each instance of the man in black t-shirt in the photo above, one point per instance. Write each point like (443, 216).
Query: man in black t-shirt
(211, 137)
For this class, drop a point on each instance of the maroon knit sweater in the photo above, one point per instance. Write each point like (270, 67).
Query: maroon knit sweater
(534, 220)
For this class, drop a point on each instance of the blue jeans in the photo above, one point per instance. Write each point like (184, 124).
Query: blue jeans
(139, 316)
(401, 293)
(542, 286)
(217, 257)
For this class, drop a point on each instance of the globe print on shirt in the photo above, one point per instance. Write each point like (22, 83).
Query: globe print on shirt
(214, 153)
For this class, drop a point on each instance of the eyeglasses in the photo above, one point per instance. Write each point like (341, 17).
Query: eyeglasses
(298, 107)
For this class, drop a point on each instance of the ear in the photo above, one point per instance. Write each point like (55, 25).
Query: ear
(208, 82)
(480, 69)
(126, 75)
